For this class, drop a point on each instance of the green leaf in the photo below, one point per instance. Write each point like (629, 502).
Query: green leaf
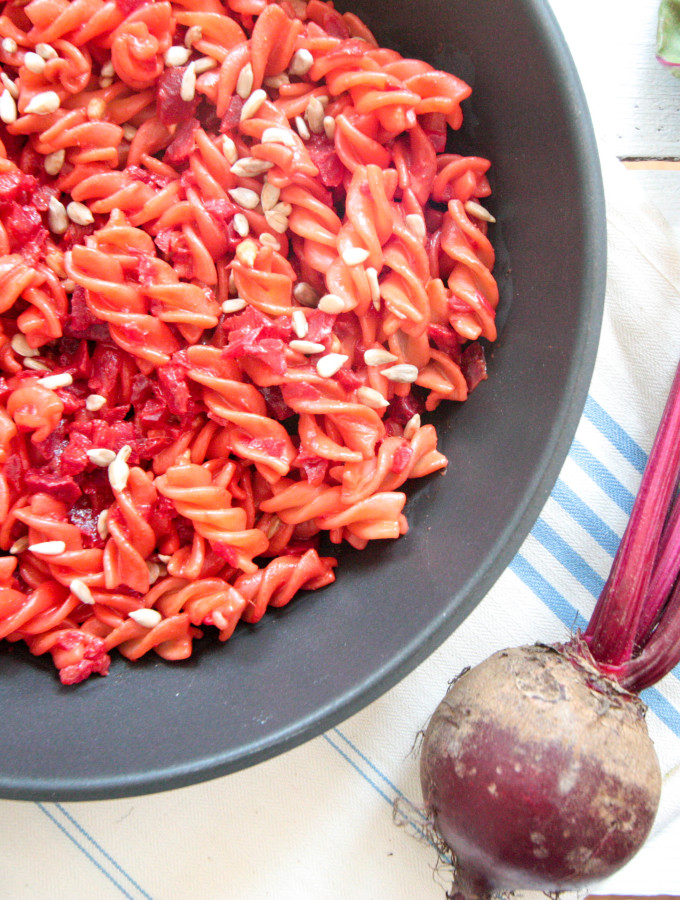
(668, 32)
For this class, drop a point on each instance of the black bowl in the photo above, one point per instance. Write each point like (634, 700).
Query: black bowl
(152, 725)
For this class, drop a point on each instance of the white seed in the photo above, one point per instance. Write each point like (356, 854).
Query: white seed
(416, 225)
(229, 149)
(9, 84)
(235, 305)
(19, 545)
(8, 108)
(46, 51)
(54, 161)
(94, 402)
(246, 252)
(305, 294)
(241, 225)
(331, 363)
(119, 470)
(204, 64)
(252, 105)
(79, 213)
(101, 456)
(34, 63)
(402, 373)
(147, 618)
(315, 113)
(376, 356)
(103, 524)
(21, 346)
(269, 240)
(232, 282)
(374, 285)
(80, 590)
(478, 211)
(61, 379)
(301, 62)
(244, 83)
(176, 56)
(194, 33)
(275, 81)
(165, 559)
(276, 221)
(278, 135)
(129, 132)
(372, 398)
(307, 347)
(68, 285)
(269, 196)
(412, 427)
(9, 45)
(57, 217)
(187, 88)
(105, 82)
(48, 548)
(36, 365)
(302, 128)
(300, 324)
(96, 109)
(43, 104)
(329, 127)
(354, 256)
(107, 70)
(155, 570)
(251, 167)
(331, 304)
(245, 197)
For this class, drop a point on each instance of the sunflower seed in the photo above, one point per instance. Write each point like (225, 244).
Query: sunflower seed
(79, 214)
(329, 127)
(61, 379)
(80, 590)
(269, 196)
(118, 470)
(251, 167)
(54, 161)
(412, 426)
(103, 524)
(19, 545)
(204, 64)
(8, 108)
(252, 105)
(315, 115)
(307, 347)
(301, 62)
(187, 88)
(354, 256)
(107, 70)
(94, 402)
(305, 294)
(36, 365)
(176, 56)
(46, 51)
(101, 456)
(194, 33)
(48, 548)
(331, 304)
(244, 83)
(96, 109)
(57, 217)
(129, 132)
(245, 197)
(43, 104)
(229, 149)
(235, 305)
(402, 373)
(9, 84)
(34, 63)
(372, 398)
(478, 211)
(246, 252)
(241, 225)
(374, 285)
(302, 128)
(300, 324)
(9, 45)
(278, 135)
(377, 356)
(331, 363)
(276, 221)
(21, 346)
(275, 81)
(147, 618)
(269, 240)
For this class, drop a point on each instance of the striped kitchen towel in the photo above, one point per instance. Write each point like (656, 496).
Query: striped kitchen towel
(339, 818)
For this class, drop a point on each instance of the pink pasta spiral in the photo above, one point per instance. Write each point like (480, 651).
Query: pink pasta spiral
(241, 258)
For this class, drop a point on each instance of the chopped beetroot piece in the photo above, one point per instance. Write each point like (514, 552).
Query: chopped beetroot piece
(97, 490)
(26, 232)
(446, 340)
(84, 517)
(74, 459)
(16, 186)
(162, 514)
(401, 409)
(61, 487)
(401, 458)
(182, 145)
(277, 407)
(348, 379)
(232, 117)
(334, 24)
(319, 326)
(314, 467)
(170, 107)
(173, 245)
(434, 126)
(14, 474)
(73, 356)
(270, 350)
(81, 323)
(176, 390)
(299, 392)
(274, 447)
(322, 153)
(473, 364)
(108, 364)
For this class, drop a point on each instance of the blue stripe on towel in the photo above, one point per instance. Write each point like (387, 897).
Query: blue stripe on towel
(601, 475)
(584, 516)
(615, 434)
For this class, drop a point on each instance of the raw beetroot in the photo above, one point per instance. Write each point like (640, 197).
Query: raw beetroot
(536, 768)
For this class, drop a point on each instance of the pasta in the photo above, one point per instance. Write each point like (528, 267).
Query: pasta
(238, 263)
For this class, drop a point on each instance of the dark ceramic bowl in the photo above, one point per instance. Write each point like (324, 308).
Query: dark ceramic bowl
(152, 725)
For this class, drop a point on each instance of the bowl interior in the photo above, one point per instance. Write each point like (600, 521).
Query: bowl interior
(151, 725)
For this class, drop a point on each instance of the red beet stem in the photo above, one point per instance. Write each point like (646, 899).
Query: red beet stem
(613, 626)
(663, 577)
(660, 654)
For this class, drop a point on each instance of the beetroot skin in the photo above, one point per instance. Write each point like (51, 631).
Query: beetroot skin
(533, 759)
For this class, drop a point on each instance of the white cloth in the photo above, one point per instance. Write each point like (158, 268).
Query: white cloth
(318, 821)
